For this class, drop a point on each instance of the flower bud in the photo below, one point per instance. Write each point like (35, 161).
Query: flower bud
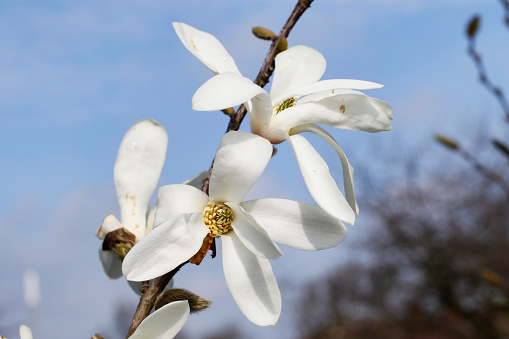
(449, 143)
(119, 241)
(282, 45)
(473, 26)
(228, 111)
(263, 33)
(196, 303)
(501, 147)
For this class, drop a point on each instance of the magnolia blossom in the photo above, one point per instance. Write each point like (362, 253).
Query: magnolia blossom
(137, 169)
(164, 323)
(296, 102)
(187, 219)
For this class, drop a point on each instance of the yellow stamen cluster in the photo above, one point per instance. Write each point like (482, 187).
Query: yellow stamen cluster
(218, 217)
(285, 104)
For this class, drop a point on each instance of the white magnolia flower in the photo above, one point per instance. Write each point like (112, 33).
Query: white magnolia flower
(296, 102)
(164, 323)
(187, 219)
(137, 169)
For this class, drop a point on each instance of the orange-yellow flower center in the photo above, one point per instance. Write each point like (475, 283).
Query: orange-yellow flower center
(218, 217)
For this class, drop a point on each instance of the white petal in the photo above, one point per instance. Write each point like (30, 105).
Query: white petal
(296, 67)
(206, 48)
(296, 224)
(348, 109)
(240, 160)
(251, 282)
(25, 332)
(196, 180)
(252, 235)
(139, 163)
(176, 199)
(326, 85)
(318, 180)
(150, 218)
(164, 323)
(166, 247)
(112, 265)
(110, 223)
(347, 167)
(226, 90)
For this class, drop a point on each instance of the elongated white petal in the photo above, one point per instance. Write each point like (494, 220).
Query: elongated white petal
(326, 85)
(176, 199)
(251, 282)
(112, 265)
(345, 164)
(240, 160)
(348, 109)
(164, 323)
(226, 90)
(166, 247)
(296, 224)
(139, 163)
(252, 235)
(25, 332)
(196, 180)
(206, 48)
(296, 67)
(318, 180)
(110, 223)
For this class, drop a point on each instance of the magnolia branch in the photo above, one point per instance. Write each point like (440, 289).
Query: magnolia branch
(483, 77)
(149, 297)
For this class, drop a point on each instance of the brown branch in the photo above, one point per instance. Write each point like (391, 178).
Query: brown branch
(485, 171)
(485, 80)
(148, 298)
(268, 64)
(505, 4)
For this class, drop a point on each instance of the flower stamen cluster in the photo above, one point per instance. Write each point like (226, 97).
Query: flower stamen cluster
(218, 217)
(284, 105)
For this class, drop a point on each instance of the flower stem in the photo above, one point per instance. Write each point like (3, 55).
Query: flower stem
(148, 298)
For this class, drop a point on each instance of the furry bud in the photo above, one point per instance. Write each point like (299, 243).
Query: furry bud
(196, 303)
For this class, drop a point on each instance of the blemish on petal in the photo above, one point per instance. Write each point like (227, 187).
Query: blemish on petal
(342, 109)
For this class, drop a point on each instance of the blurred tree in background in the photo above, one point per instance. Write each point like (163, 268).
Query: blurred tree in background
(435, 260)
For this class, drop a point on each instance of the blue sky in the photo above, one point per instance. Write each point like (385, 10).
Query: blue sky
(75, 75)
